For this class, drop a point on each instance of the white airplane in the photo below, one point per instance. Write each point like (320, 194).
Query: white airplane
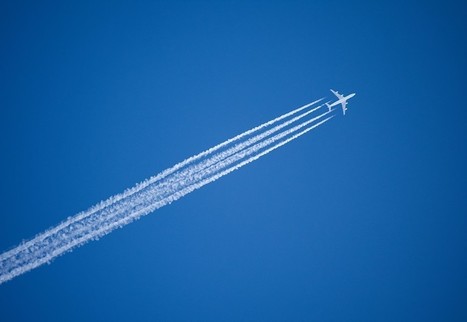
(341, 100)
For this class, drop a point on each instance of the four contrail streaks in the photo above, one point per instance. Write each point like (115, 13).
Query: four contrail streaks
(160, 190)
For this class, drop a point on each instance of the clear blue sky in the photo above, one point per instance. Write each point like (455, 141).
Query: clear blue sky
(364, 219)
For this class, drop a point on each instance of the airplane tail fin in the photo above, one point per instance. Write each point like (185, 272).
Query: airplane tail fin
(329, 106)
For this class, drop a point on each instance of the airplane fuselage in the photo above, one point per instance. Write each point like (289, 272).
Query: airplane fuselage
(342, 100)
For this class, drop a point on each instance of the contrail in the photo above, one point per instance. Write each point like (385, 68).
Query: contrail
(151, 195)
(145, 183)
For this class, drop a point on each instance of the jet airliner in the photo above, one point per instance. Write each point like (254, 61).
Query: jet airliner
(341, 100)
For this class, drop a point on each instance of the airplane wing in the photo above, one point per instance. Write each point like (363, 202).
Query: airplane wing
(344, 107)
(339, 96)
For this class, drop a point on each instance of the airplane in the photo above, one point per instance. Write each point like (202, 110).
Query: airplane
(341, 100)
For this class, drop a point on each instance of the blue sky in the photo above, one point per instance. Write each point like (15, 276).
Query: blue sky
(363, 219)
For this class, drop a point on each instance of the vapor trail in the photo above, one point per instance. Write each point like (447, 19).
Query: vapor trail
(138, 187)
(152, 196)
